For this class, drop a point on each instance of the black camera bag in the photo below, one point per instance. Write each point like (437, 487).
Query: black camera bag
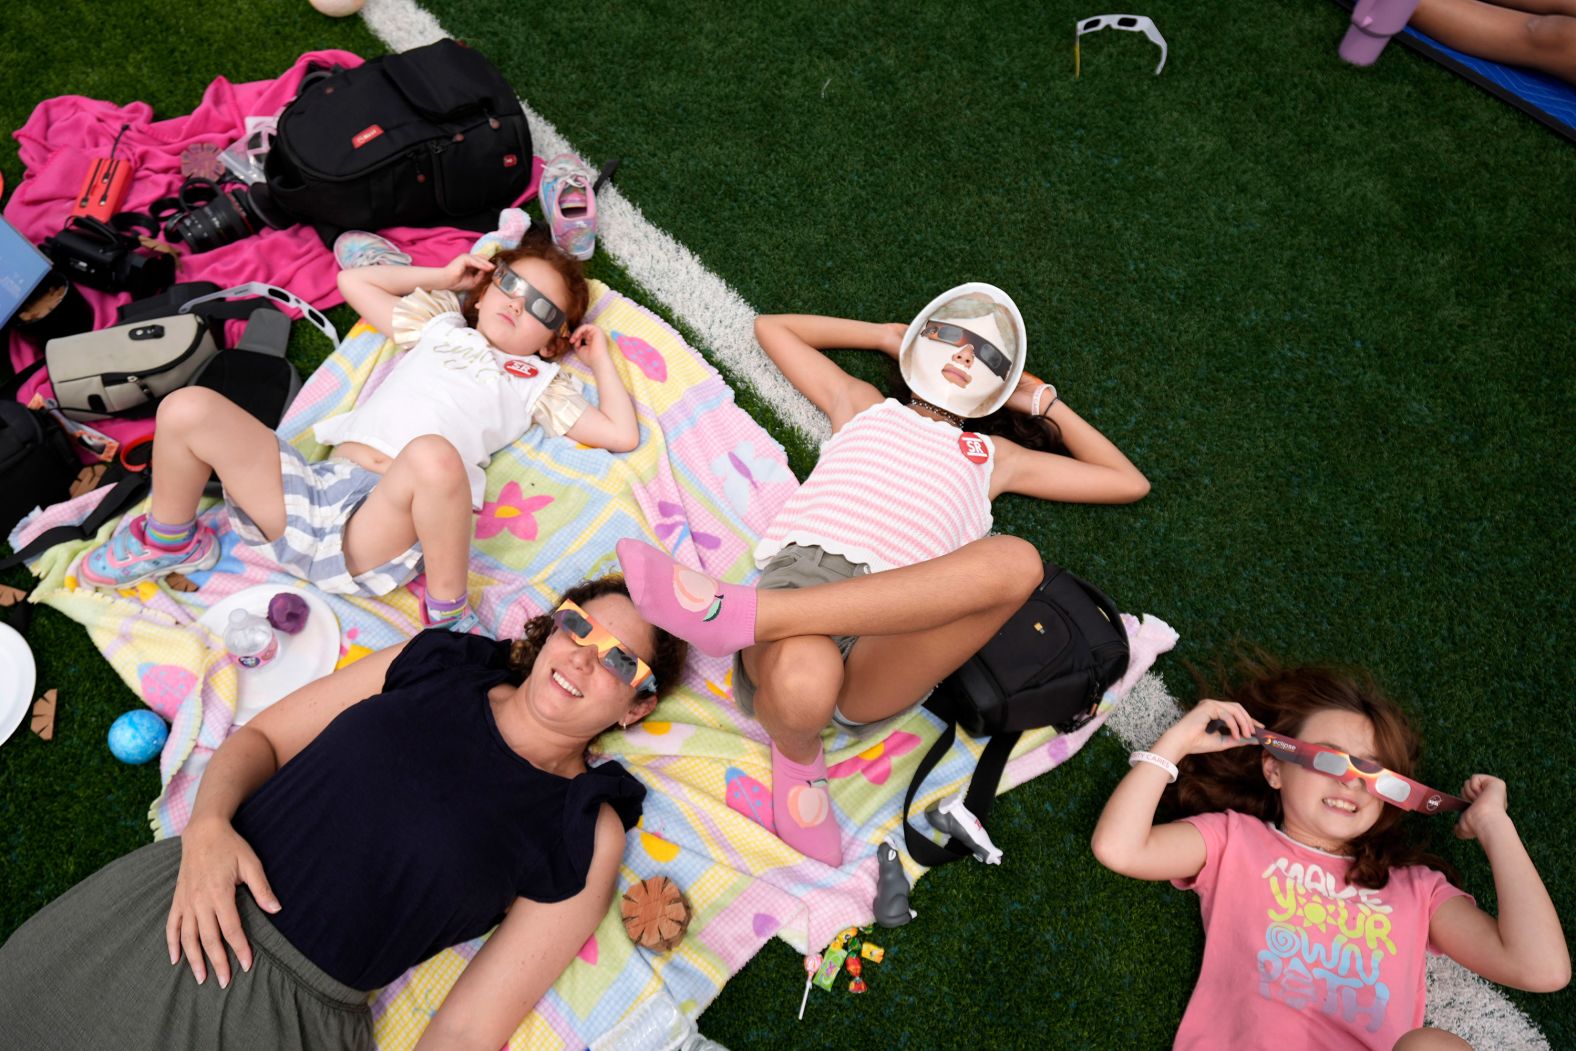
(97, 255)
(37, 465)
(432, 136)
(1049, 665)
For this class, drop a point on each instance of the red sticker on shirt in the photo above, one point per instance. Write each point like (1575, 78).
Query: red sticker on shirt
(516, 367)
(973, 446)
(510, 160)
(366, 135)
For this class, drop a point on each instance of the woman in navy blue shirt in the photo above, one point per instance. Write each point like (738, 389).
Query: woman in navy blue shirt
(408, 802)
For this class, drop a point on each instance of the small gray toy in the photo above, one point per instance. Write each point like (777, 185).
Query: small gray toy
(891, 904)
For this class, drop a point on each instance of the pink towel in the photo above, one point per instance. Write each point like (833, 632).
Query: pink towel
(62, 136)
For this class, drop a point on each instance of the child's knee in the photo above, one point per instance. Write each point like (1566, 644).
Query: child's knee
(799, 681)
(185, 410)
(434, 462)
(1018, 568)
(1554, 36)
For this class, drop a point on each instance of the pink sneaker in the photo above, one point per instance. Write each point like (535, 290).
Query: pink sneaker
(127, 559)
(569, 204)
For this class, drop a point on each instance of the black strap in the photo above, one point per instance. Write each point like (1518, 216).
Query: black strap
(979, 798)
(125, 493)
(605, 174)
(14, 384)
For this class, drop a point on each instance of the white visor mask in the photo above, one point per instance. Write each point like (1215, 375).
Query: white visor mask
(962, 353)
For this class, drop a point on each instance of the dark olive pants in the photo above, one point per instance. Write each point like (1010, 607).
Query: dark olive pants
(91, 969)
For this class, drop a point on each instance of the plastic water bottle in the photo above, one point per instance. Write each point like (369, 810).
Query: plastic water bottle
(656, 1025)
(250, 639)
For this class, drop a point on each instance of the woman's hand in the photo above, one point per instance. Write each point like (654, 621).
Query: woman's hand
(1489, 798)
(590, 343)
(1190, 736)
(203, 917)
(466, 272)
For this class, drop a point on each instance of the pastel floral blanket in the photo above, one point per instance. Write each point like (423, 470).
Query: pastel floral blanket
(704, 483)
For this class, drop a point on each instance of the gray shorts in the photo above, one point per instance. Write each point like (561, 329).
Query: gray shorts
(319, 500)
(798, 566)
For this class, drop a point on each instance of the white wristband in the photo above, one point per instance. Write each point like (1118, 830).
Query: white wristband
(1155, 760)
(1034, 402)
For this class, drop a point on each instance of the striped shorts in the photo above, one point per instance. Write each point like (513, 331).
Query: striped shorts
(319, 500)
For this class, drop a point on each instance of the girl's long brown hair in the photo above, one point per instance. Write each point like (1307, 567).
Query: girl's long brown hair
(1283, 699)
(536, 245)
(665, 664)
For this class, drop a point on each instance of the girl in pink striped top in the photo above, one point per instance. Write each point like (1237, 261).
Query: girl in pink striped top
(879, 578)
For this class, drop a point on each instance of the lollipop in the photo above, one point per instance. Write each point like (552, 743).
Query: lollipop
(812, 963)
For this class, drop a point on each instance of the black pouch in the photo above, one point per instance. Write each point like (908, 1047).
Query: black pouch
(110, 258)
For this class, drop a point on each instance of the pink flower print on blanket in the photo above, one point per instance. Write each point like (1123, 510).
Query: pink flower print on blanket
(514, 511)
(875, 762)
(642, 355)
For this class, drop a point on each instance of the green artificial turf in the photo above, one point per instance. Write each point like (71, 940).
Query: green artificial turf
(1327, 311)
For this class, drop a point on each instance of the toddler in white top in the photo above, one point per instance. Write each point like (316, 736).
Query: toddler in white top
(405, 474)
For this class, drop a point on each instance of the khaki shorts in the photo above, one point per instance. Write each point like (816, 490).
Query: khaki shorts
(799, 566)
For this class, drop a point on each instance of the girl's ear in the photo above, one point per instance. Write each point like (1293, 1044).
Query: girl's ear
(1271, 767)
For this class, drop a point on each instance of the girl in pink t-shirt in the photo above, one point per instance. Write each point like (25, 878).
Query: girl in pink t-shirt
(1318, 911)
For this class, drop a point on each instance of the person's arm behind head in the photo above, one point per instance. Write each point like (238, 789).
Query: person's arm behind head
(795, 343)
(525, 955)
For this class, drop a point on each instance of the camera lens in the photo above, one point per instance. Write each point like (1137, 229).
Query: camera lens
(225, 219)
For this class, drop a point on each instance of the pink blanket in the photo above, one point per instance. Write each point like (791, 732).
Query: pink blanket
(62, 136)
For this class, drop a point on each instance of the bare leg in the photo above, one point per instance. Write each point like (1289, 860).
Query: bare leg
(199, 432)
(1542, 35)
(916, 626)
(423, 496)
(1431, 1040)
(798, 681)
(979, 577)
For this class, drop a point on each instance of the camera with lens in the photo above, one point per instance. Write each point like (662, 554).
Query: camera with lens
(112, 257)
(208, 215)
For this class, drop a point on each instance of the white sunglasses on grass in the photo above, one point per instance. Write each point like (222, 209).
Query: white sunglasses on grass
(1132, 23)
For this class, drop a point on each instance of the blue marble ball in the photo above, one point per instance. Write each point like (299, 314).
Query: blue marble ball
(137, 736)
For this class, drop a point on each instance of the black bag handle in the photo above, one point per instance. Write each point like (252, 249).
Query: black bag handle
(979, 798)
(125, 493)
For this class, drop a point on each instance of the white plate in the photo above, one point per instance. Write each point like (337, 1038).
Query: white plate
(17, 679)
(310, 655)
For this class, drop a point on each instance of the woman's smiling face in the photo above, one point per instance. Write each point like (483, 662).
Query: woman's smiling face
(570, 689)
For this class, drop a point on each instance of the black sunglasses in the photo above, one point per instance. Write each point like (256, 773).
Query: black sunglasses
(985, 352)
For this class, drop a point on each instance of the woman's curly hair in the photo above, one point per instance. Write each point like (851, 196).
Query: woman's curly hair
(666, 664)
(537, 245)
(1283, 699)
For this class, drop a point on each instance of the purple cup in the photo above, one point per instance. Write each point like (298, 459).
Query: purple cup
(1374, 22)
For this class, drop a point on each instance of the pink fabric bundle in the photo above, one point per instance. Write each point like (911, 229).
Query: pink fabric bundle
(61, 138)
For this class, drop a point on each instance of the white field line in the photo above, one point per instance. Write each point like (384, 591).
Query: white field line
(1458, 1000)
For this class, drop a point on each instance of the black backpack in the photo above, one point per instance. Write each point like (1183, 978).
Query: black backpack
(37, 465)
(1049, 665)
(434, 136)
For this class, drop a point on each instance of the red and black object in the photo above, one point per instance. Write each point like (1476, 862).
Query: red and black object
(1383, 783)
(105, 185)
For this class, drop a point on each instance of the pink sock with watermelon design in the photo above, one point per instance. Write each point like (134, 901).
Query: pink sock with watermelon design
(715, 618)
(802, 808)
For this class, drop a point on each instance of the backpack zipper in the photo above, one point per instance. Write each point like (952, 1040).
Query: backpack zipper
(137, 377)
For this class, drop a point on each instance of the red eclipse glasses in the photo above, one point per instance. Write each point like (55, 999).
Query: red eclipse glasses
(1385, 784)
